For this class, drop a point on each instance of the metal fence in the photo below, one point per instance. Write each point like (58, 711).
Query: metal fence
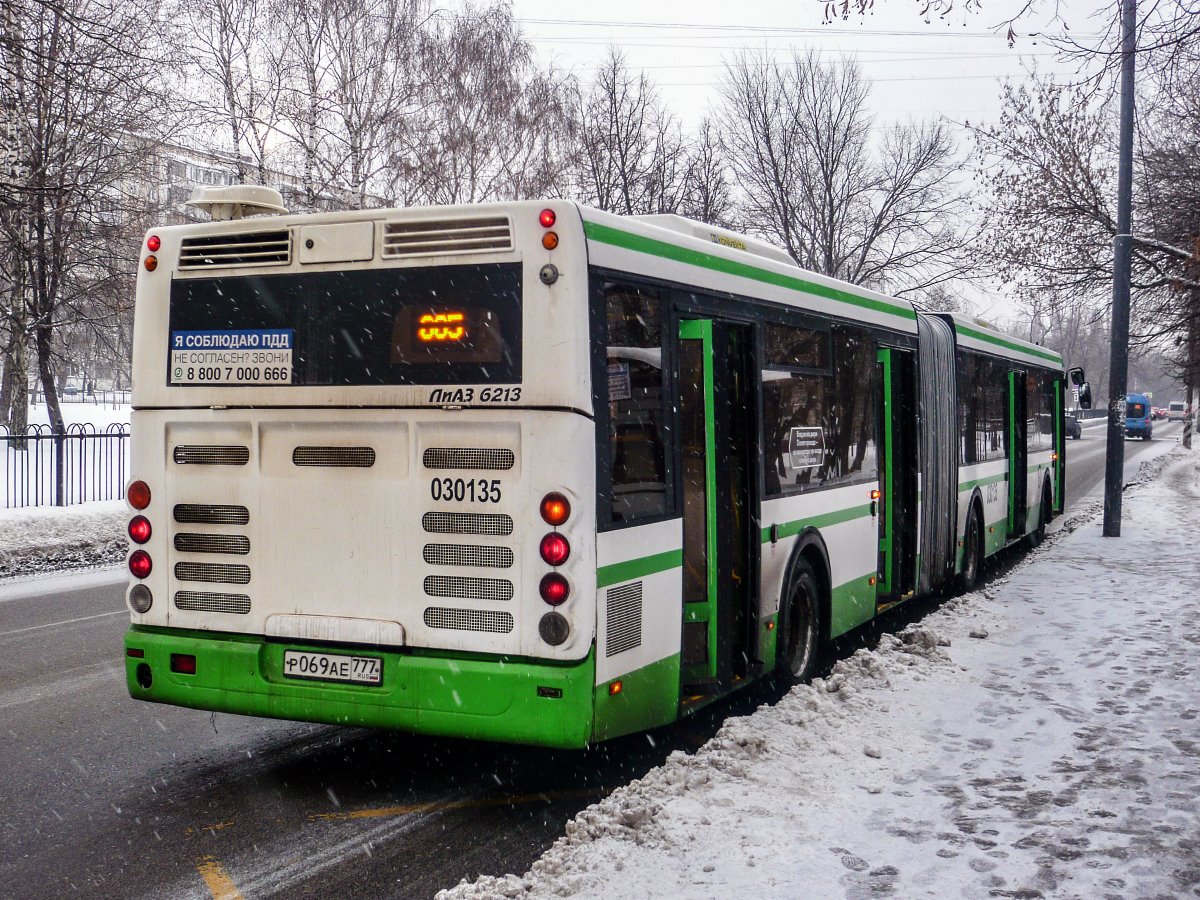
(42, 468)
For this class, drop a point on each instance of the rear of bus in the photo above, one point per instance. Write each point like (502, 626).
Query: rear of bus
(1138, 423)
(364, 471)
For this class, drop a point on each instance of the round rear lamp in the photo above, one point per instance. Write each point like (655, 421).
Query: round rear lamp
(140, 598)
(153, 243)
(549, 240)
(138, 495)
(555, 509)
(555, 549)
(139, 529)
(140, 563)
(547, 218)
(150, 262)
(554, 589)
(554, 628)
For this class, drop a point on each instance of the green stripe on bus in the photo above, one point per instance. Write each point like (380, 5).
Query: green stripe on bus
(787, 529)
(638, 568)
(1010, 345)
(980, 482)
(617, 238)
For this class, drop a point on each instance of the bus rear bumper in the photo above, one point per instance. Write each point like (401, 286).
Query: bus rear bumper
(484, 699)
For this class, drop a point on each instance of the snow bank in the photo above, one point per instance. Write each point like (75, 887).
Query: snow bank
(1034, 738)
(48, 539)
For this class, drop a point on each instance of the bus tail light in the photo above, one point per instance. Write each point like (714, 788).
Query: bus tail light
(556, 509)
(183, 663)
(150, 262)
(555, 549)
(140, 564)
(554, 589)
(547, 218)
(138, 495)
(550, 240)
(153, 243)
(141, 599)
(139, 529)
(554, 628)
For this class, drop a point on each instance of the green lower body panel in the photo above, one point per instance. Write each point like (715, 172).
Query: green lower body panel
(852, 604)
(491, 699)
(648, 697)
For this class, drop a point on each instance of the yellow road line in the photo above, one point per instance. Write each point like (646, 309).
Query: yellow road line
(219, 883)
(385, 811)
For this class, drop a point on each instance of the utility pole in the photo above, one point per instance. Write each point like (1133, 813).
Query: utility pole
(1114, 457)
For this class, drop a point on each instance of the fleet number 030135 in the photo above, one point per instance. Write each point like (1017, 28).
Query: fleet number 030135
(465, 490)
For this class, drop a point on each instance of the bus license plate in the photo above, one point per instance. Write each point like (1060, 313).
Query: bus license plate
(332, 667)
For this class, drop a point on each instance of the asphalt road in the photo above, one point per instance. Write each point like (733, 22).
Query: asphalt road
(103, 796)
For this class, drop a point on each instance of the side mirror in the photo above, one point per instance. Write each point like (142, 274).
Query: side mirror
(1077, 377)
(1085, 396)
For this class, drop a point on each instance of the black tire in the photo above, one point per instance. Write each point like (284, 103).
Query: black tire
(1035, 537)
(799, 649)
(968, 578)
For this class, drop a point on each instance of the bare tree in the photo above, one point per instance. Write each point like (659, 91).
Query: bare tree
(798, 135)
(707, 191)
(78, 74)
(492, 124)
(633, 155)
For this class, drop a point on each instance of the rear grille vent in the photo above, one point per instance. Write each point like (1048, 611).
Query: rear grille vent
(199, 601)
(237, 544)
(458, 555)
(467, 523)
(255, 248)
(467, 458)
(211, 514)
(468, 619)
(214, 573)
(624, 618)
(436, 237)
(211, 455)
(468, 588)
(345, 457)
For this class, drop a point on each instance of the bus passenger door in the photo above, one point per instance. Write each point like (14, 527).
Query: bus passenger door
(897, 504)
(720, 513)
(1017, 454)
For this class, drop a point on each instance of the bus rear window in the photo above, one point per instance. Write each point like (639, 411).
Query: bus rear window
(1135, 410)
(438, 325)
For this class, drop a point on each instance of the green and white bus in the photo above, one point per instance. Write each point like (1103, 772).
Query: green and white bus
(532, 472)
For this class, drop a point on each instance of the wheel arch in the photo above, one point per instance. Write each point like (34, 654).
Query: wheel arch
(975, 504)
(810, 547)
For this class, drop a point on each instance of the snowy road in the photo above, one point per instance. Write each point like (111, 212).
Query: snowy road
(110, 797)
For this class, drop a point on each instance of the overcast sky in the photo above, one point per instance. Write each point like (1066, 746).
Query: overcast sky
(943, 68)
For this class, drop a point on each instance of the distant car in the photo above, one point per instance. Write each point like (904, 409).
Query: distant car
(1176, 411)
(1074, 429)
(1137, 417)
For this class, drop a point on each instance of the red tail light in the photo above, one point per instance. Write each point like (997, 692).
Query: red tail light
(153, 243)
(138, 495)
(547, 218)
(139, 529)
(554, 589)
(555, 509)
(140, 563)
(555, 549)
(183, 663)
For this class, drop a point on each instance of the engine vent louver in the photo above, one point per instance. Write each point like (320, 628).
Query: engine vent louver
(435, 237)
(467, 523)
(253, 248)
(201, 601)
(211, 455)
(459, 555)
(467, 458)
(211, 514)
(213, 573)
(624, 619)
(468, 588)
(338, 457)
(236, 544)
(468, 619)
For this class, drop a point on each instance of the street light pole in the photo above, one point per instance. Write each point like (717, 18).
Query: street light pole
(1114, 457)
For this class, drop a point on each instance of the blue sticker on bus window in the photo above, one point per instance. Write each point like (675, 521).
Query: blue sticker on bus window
(245, 356)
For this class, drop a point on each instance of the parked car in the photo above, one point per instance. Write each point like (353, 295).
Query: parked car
(1074, 429)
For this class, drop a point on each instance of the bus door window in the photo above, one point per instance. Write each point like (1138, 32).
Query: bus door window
(637, 425)
(797, 397)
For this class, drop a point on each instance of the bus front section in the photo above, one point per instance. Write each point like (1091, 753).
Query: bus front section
(364, 472)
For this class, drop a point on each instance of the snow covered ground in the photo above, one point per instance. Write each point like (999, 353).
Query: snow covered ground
(1038, 738)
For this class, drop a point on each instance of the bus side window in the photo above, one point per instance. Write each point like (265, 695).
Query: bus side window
(637, 430)
(797, 396)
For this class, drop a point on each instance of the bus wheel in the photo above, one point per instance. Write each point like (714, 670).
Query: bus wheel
(799, 651)
(1038, 535)
(972, 552)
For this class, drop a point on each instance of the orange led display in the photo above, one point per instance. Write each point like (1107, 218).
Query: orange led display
(441, 327)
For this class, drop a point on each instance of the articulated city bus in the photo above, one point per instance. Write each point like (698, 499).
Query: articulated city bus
(532, 472)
